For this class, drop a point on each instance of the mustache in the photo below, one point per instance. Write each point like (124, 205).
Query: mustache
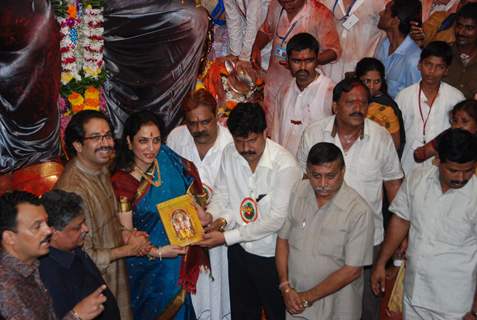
(458, 183)
(105, 148)
(47, 239)
(302, 72)
(200, 134)
(357, 114)
(248, 153)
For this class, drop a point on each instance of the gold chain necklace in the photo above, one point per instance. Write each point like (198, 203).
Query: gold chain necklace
(148, 175)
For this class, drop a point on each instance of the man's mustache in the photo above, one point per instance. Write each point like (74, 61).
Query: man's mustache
(105, 148)
(248, 153)
(357, 114)
(458, 183)
(302, 73)
(200, 134)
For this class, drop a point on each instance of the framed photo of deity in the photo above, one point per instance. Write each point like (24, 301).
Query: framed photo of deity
(181, 220)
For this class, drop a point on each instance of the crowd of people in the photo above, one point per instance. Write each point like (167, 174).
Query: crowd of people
(363, 154)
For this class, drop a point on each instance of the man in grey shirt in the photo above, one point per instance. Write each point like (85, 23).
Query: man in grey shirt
(326, 240)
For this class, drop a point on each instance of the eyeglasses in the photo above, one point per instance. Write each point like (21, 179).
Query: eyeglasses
(99, 138)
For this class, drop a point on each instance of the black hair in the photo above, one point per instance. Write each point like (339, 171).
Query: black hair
(439, 49)
(9, 208)
(246, 118)
(303, 41)
(125, 156)
(457, 145)
(372, 64)
(406, 11)
(469, 11)
(468, 106)
(62, 207)
(75, 130)
(325, 152)
(346, 85)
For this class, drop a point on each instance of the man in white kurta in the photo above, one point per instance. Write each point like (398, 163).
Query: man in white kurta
(251, 194)
(357, 26)
(425, 105)
(437, 207)
(244, 18)
(278, 28)
(306, 98)
(212, 300)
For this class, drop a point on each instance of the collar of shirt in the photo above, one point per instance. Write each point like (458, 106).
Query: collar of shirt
(340, 200)
(64, 258)
(465, 191)
(457, 59)
(297, 17)
(17, 265)
(405, 46)
(332, 128)
(311, 86)
(88, 171)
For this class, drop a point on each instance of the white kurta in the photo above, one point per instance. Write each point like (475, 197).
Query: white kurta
(360, 40)
(436, 118)
(370, 161)
(442, 255)
(212, 300)
(298, 109)
(244, 18)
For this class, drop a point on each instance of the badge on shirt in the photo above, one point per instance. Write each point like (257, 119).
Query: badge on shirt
(350, 22)
(281, 53)
(248, 210)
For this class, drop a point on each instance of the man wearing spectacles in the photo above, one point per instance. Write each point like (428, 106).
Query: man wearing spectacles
(90, 144)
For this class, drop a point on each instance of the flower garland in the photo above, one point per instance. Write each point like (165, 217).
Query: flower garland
(81, 48)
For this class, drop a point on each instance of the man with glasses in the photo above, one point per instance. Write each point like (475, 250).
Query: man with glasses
(90, 144)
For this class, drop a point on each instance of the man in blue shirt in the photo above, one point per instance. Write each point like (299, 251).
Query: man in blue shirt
(398, 52)
(67, 271)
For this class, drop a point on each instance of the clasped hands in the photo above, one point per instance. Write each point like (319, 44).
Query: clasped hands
(212, 237)
(295, 302)
(139, 245)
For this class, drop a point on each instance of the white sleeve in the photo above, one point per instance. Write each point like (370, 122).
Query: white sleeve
(303, 150)
(235, 26)
(273, 221)
(391, 169)
(253, 22)
(219, 205)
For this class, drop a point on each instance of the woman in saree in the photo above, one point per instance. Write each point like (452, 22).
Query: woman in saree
(147, 173)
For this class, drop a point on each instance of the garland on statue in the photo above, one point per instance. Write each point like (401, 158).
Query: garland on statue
(81, 46)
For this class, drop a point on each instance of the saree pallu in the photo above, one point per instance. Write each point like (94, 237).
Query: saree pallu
(155, 290)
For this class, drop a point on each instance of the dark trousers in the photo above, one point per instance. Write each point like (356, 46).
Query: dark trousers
(253, 284)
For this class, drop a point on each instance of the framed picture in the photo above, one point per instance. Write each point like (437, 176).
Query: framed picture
(181, 221)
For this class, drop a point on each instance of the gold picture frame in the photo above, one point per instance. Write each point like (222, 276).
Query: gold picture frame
(181, 221)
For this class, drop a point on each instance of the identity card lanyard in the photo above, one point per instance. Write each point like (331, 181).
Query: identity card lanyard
(346, 16)
(424, 121)
(284, 38)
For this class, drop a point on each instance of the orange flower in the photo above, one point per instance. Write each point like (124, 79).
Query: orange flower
(72, 13)
(91, 93)
(76, 100)
(230, 105)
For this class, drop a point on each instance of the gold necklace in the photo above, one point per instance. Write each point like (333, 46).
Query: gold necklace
(148, 175)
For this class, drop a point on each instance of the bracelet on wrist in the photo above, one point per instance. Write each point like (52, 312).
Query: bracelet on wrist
(75, 314)
(283, 284)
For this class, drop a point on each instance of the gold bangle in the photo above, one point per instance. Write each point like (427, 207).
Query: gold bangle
(124, 205)
(221, 224)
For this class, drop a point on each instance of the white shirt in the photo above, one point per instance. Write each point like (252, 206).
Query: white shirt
(244, 18)
(370, 161)
(360, 40)
(212, 301)
(442, 252)
(181, 141)
(275, 175)
(437, 118)
(298, 109)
